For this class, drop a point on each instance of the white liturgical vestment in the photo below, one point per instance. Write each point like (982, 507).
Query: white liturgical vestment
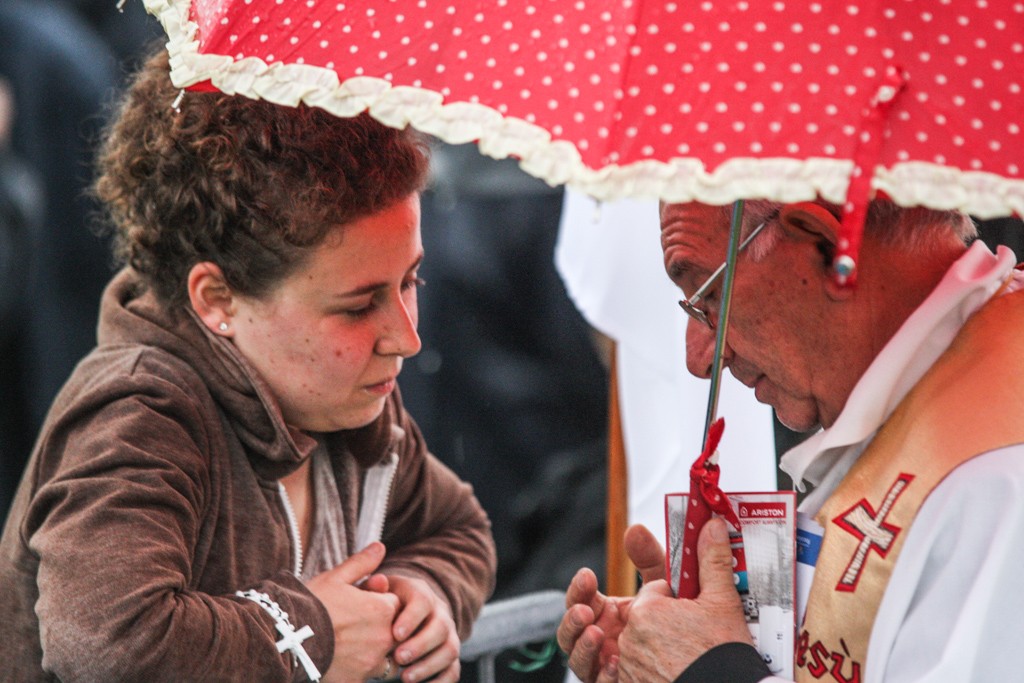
(951, 611)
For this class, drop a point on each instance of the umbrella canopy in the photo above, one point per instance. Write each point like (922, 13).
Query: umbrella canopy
(713, 101)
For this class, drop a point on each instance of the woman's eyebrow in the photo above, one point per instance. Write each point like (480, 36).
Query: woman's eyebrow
(375, 286)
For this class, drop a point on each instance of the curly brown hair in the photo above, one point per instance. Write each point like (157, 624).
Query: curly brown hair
(249, 185)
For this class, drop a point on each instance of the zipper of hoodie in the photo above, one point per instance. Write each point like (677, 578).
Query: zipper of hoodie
(376, 494)
(293, 527)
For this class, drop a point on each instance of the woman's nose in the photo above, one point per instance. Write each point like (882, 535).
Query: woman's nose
(400, 337)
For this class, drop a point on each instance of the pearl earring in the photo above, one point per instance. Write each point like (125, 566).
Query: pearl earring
(223, 327)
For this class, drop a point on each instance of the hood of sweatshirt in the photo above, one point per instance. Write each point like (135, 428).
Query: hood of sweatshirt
(130, 315)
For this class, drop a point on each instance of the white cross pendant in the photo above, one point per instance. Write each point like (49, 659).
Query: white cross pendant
(292, 640)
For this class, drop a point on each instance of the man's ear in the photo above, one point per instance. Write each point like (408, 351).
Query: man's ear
(211, 297)
(810, 221)
(807, 221)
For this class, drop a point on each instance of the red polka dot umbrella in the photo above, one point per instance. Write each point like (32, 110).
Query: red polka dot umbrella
(710, 100)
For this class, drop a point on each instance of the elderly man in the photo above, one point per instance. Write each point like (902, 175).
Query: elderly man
(917, 378)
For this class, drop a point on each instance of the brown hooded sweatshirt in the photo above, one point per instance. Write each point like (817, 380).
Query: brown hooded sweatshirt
(152, 496)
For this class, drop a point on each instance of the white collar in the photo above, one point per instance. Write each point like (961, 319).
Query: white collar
(969, 283)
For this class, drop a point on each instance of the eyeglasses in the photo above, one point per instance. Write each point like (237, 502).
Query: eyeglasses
(690, 305)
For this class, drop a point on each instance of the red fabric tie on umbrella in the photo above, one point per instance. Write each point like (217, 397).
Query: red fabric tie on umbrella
(705, 499)
(865, 156)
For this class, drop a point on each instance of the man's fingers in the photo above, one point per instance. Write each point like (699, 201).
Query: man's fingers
(715, 557)
(361, 564)
(610, 671)
(659, 587)
(584, 659)
(582, 589)
(650, 588)
(575, 619)
(646, 553)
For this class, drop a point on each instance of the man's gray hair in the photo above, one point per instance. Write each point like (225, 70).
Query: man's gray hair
(908, 228)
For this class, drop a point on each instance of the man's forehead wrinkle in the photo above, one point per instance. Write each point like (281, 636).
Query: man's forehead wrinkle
(692, 239)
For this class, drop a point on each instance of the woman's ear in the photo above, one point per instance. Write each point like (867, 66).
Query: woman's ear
(811, 222)
(211, 297)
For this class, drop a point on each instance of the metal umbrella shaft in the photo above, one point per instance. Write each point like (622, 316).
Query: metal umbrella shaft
(723, 315)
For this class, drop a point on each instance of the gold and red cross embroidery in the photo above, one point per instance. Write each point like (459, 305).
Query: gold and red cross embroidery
(871, 530)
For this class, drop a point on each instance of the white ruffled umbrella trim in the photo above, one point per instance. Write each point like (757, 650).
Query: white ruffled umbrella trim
(558, 162)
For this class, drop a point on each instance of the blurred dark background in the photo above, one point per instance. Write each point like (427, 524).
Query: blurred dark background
(61, 63)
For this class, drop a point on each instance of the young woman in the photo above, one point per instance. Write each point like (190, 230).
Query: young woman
(228, 487)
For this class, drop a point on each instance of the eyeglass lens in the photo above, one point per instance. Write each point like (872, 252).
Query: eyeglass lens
(690, 305)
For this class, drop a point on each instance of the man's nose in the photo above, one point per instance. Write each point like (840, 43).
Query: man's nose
(700, 349)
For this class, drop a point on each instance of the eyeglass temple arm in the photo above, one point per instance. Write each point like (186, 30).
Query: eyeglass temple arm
(715, 275)
(723, 315)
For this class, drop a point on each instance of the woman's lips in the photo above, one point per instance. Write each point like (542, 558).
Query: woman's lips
(382, 388)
